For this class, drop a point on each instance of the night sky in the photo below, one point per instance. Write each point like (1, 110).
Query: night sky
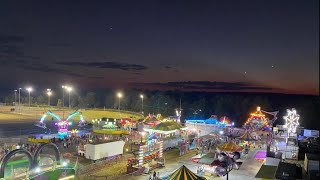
(268, 46)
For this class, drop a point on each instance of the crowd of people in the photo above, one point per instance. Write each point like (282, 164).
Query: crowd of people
(154, 176)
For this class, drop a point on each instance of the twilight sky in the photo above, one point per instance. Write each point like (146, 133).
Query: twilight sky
(265, 45)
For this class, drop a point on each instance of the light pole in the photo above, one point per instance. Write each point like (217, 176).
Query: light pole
(49, 93)
(15, 96)
(141, 96)
(69, 89)
(19, 97)
(119, 97)
(63, 88)
(29, 89)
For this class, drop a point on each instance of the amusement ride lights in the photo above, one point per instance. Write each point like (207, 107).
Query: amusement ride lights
(292, 120)
(257, 115)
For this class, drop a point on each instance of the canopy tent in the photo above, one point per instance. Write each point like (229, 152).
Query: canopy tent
(151, 121)
(183, 173)
(247, 136)
(167, 126)
(230, 147)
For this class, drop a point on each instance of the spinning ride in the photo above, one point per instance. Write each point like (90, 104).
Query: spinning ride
(258, 120)
(63, 125)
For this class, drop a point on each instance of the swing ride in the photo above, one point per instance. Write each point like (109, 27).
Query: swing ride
(63, 125)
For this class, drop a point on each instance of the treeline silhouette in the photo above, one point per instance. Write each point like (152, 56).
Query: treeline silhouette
(236, 106)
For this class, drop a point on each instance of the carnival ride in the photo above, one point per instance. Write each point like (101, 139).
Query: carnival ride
(63, 125)
(258, 120)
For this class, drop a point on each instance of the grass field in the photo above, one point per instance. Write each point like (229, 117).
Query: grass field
(12, 117)
(56, 174)
(35, 113)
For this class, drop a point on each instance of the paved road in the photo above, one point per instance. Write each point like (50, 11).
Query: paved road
(247, 171)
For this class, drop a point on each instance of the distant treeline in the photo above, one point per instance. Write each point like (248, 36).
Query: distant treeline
(236, 106)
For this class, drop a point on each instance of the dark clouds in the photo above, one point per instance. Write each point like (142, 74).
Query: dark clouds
(37, 66)
(47, 69)
(11, 46)
(107, 65)
(205, 41)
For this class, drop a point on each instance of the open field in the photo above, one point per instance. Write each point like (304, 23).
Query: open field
(12, 117)
(22, 120)
(35, 113)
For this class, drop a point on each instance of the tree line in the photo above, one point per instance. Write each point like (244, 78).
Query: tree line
(195, 105)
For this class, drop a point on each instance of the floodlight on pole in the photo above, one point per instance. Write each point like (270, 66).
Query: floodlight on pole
(29, 89)
(119, 94)
(69, 89)
(141, 96)
(19, 98)
(49, 93)
(15, 96)
(64, 87)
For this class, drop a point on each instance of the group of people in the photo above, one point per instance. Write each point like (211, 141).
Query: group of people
(154, 176)
(200, 170)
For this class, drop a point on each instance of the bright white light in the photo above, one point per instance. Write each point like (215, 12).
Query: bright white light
(258, 108)
(29, 89)
(232, 123)
(64, 164)
(141, 96)
(292, 120)
(69, 89)
(119, 95)
(221, 132)
(37, 170)
(143, 133)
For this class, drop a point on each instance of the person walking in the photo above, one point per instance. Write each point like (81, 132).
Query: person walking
(154, 175)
